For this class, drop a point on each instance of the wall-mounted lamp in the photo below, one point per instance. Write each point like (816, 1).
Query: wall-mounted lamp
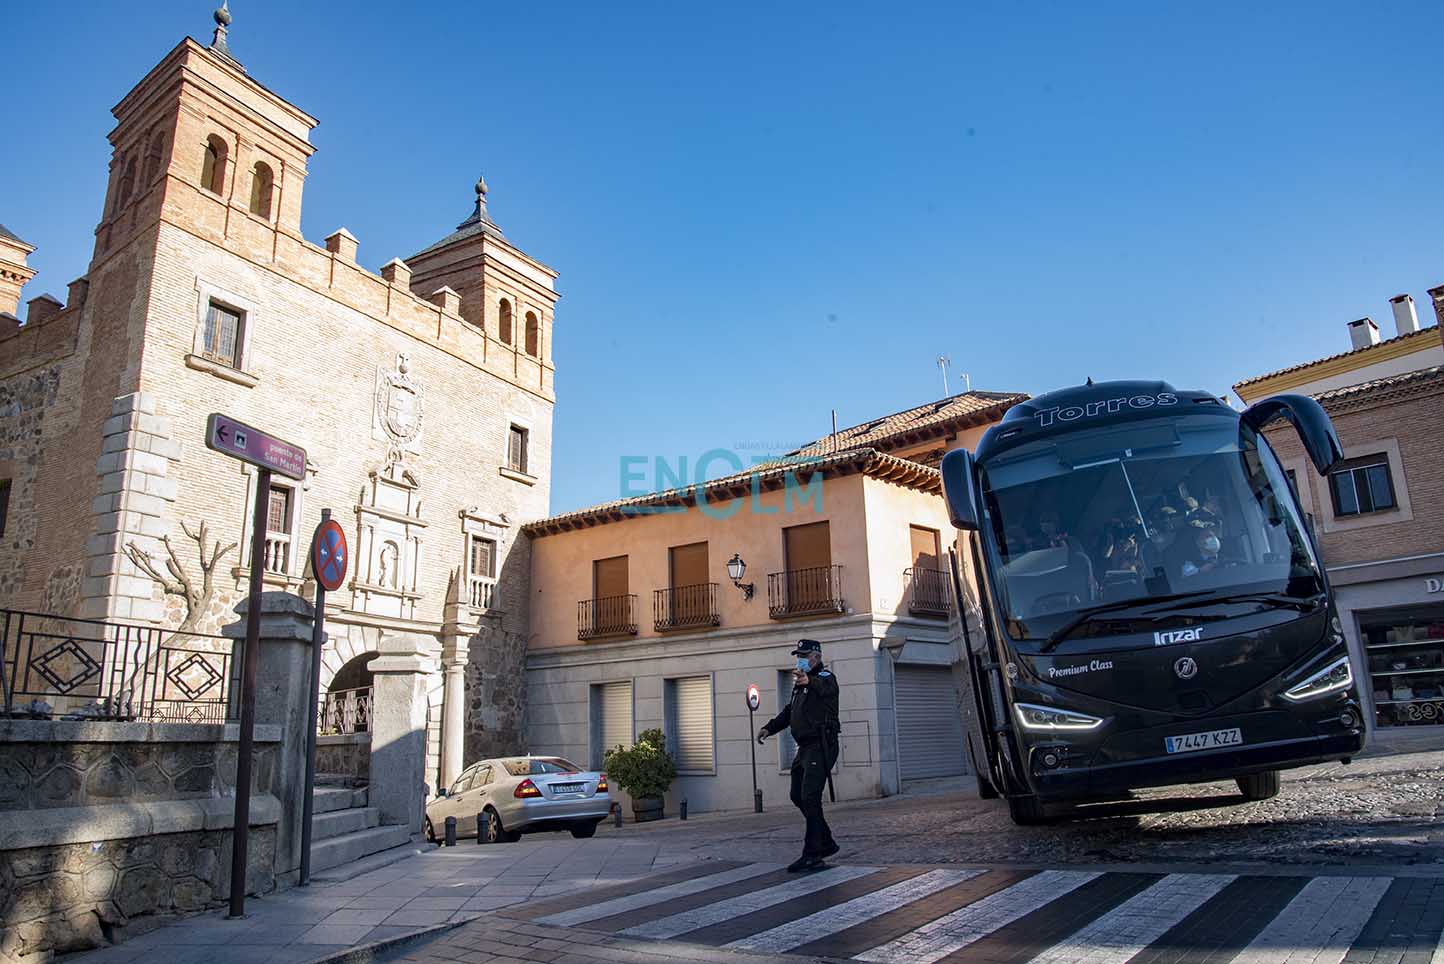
(736, 569)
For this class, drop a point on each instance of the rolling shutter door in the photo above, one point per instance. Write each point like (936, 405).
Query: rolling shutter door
(929, 722)
(611, 718)
(690, 712)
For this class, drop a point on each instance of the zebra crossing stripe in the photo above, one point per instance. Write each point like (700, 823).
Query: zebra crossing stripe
(1137, 922)
(619, 905)
(745, 903)
(807, 929)
(1438, 957)
(966, 925)
(1319, 924)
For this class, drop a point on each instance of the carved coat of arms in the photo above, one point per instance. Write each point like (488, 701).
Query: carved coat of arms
(400, 403)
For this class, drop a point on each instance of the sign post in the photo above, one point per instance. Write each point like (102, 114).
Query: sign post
(268, 454)
(328, 564)
(754, 700)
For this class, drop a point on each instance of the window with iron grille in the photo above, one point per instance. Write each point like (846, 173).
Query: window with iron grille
(4, 504)
(516, 449)
(278, 511)
(483, 557)
(1362, 485)
(222, 341)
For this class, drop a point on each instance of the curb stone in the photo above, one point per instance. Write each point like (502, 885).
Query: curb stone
(366, 953)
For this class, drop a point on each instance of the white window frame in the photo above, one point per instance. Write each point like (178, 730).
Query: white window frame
(243, 373)
(475, 523)
(669, 720)
(529, 477)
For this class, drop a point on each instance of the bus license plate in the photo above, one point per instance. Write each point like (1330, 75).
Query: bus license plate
(1203, 741)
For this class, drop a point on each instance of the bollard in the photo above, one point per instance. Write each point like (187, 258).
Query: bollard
(756, 801)
(683, 808)
(451, 831)
(616, 814)
(481, 828)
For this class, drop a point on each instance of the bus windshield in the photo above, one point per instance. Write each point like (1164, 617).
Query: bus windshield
(1169, 505)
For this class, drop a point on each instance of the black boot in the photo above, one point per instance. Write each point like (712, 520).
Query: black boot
(828, 849)
(805, 862)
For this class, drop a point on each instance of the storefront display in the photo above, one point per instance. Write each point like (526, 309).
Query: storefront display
(1405, 653)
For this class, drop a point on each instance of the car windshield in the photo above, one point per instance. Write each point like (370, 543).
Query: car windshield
(538, 765)
(1172, 505)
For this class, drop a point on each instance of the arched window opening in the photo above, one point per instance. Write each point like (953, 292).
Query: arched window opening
(127, 186)
(262, 183)
(154, 156)
(532, 334)
(346, 704)
(504, 310)
(213, 165)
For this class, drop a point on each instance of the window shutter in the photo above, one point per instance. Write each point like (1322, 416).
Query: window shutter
(690, 711)
(483, 557)
(516, 449)
(611, 718)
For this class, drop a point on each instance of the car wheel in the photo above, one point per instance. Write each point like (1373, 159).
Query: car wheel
(430, 830)
(1026, 810)
(493, 832)
(1259, 786)
(584, 830)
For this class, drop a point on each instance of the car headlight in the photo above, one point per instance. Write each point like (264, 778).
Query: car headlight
(1035, 717)
(1334, 677)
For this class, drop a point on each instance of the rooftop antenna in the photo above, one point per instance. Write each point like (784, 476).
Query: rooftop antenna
(943, 362)
(834, 430)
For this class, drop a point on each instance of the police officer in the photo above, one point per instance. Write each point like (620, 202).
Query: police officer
(812, 717)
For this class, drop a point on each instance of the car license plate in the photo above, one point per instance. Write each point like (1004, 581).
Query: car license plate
(568, 787)
(1203, 741)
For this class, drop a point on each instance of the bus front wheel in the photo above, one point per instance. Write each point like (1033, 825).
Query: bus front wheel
(1026, 811)
(1259, 786)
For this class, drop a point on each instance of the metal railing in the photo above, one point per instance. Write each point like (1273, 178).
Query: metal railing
(481, 592)
(928, 592)
(100, 670)
(607, 616)
(345, 711)
(685, 607)
(804, 592)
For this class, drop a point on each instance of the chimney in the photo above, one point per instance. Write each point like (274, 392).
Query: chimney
(42, 309)
(1437, 296)
(1406, 320)
(1363, 333)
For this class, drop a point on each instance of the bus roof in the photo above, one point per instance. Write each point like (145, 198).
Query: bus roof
(1091, 405)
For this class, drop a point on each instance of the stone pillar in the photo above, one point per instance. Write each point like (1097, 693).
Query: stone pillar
(132, 501)
(398, 730)
(453, 719)
(283, 682)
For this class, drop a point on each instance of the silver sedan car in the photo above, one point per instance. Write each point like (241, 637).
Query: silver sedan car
(517, 795)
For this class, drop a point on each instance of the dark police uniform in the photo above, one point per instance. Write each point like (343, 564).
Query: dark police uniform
(812, 717)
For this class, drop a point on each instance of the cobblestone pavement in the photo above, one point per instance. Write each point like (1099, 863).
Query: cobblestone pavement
(1378, 810)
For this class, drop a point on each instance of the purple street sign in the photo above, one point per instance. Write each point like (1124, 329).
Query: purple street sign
(238, 440)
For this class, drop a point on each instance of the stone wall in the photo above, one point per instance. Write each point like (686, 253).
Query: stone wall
(495, 694)
(345, 754)
(106, 826)
(72, 897)
(25, 401)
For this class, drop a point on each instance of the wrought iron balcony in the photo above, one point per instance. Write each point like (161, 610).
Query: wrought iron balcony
(928, 592)
(607, 616)
(804, 592)
(685, 607)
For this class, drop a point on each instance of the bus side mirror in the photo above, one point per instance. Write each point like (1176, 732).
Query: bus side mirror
(1308, 418)
(960, 490)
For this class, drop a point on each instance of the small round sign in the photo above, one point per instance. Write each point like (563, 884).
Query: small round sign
(328, 555)
(754, 696)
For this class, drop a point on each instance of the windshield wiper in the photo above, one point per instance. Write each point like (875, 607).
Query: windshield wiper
(1303, 604)
(1086, 615)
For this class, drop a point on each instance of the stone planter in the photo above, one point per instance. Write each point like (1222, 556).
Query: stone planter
(647, 808)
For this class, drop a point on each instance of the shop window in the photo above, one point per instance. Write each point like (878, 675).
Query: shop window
(1405, 652)
(1362, 485)
(611, 706)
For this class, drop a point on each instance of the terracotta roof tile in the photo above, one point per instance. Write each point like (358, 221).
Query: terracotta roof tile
(1431, 331)
(935, 419)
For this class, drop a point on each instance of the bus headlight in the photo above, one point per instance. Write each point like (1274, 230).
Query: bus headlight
(1035, 717)
(1334, 677)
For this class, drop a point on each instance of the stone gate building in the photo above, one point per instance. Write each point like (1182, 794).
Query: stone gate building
(422, 394)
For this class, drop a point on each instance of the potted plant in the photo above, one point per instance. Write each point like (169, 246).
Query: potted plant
(645, 771)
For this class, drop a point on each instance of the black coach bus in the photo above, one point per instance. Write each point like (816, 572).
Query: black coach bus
(1155, 610)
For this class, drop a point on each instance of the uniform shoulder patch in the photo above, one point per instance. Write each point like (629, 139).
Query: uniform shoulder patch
(824, 672)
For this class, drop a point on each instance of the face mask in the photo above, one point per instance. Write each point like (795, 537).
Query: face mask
(803, 665)
(1210, 544)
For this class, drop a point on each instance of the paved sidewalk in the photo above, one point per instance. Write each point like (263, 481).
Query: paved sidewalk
(449, 884)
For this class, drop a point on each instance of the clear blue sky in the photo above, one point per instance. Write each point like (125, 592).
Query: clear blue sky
(761, 212)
